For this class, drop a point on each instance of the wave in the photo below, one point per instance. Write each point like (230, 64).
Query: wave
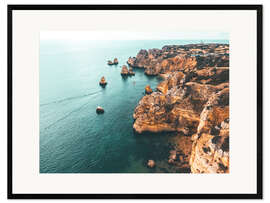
(70, 98)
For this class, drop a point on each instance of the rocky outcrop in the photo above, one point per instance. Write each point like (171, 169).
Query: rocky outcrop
(127, 72)
(151, 163)
(124, 71)
(210, 149)
(181, 58)
(102, 82)
(176, 106)
(114, 62)
(148, 89)
(130, 71)
(110, 62)
(131, 61)
(192, 101)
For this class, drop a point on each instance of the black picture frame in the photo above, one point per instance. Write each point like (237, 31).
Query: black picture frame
(257, 8)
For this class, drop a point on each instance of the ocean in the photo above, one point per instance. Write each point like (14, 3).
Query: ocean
(73, 138)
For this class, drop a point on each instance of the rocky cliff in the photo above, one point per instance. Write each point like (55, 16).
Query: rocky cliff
(191, 101)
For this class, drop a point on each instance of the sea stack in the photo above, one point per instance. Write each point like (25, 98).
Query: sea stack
(127, 72)
(102, 82)
(115, 61)
(151, 163)
(130, 71)
(110, 62)
(99, 110)
(148, 89)
(124, 71)
(131, 61)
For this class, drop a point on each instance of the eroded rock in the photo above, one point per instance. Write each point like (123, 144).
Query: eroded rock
(151, 163)
(124, 71)
(102, 81)
(110, 62)
(210, 149)
(114, 62)
(192, 101)
(148, 89)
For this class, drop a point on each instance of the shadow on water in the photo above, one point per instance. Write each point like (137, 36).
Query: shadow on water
(157, 147)
(154, 146)
(125, 78)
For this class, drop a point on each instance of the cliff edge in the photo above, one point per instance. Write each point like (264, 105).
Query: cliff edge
(192, 100)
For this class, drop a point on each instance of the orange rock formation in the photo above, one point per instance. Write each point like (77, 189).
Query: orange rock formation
(192, 101)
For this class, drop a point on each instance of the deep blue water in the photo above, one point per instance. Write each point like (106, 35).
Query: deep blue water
(73, 138)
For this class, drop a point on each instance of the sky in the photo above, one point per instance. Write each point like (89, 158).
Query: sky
(123, 35)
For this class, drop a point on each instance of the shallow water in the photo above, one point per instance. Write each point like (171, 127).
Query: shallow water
(73, 138)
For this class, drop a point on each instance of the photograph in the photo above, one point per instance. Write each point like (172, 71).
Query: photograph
(129, 101)
(134, 102)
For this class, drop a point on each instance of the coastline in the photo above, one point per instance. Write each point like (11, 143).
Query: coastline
(105, 143)
(192, 101)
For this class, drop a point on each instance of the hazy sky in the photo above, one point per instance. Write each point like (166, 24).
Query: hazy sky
(123, 35)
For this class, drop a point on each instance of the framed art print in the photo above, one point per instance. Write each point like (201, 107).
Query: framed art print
(135, 101)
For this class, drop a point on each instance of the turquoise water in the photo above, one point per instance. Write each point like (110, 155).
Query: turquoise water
(73, 138)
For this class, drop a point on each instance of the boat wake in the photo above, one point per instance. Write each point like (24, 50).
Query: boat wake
(71, 112)
(67, 115)
(70, 98)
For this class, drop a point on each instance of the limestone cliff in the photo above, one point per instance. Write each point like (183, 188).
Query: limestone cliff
(192, 100)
